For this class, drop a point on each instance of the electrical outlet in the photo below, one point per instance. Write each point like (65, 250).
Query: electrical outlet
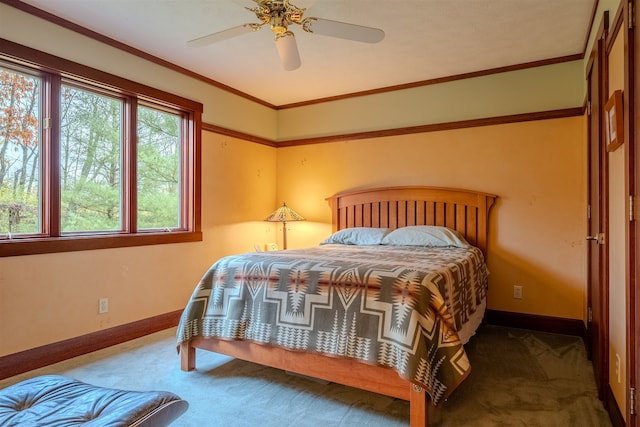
(103, 305)
(618, 367)
(517, 291)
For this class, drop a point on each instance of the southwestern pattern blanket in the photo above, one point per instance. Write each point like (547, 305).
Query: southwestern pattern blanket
(395, 306)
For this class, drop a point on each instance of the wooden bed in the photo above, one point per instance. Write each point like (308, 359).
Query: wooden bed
(393, 207)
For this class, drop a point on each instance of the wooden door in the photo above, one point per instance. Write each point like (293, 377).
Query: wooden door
(597, 275)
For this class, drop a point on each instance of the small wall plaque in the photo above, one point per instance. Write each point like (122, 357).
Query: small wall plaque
(614, 121)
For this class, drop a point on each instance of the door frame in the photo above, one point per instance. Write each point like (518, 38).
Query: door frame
(597, 263)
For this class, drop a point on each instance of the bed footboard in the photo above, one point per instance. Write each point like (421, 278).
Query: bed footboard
(342, 371)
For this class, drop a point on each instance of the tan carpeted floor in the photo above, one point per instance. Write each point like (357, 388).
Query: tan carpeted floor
(519, 378)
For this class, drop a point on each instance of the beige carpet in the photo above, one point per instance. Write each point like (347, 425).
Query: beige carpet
(519, 378)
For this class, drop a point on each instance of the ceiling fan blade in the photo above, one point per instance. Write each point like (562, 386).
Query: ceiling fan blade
(288, 51)
(343, 30)
(223, 35)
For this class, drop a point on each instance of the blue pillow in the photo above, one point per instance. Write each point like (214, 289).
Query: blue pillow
(431, 236)
(357, 236)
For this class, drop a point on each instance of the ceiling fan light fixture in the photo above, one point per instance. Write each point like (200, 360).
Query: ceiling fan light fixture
(288, 51)
(278, 29)
(278, 25)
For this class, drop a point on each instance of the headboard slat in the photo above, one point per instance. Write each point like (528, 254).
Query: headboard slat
(402, 213)
(421, 212)
(440, 214)
(461, 219)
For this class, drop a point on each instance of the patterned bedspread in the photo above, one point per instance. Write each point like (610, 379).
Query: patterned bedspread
(399, 307)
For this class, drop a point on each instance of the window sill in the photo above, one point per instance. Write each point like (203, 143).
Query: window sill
(86, 243)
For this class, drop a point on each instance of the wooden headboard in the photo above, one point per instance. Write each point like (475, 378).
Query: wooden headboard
(393, 207)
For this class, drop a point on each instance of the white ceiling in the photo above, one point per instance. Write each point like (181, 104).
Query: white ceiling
(425, 39)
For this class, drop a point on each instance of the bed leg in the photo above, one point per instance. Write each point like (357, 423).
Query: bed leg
(187, 357)
(419, 407)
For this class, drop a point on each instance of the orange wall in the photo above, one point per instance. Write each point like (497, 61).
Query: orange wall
(537, 169)
(537, 226)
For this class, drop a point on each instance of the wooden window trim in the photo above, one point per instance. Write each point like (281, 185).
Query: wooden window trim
(55, 69)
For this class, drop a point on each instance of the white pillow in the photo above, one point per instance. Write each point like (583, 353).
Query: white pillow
(425, 235)
(357, 236)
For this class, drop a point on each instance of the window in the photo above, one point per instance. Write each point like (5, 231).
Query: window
(90, 161)
(93, 161)
(19, 153)
(158, 169)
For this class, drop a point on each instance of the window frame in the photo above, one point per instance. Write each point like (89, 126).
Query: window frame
(55, 71)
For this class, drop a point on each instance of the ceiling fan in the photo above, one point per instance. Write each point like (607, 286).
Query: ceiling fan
(279, 14)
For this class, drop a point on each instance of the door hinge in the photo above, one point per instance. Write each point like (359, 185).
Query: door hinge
(589, 211)
(631, 16)
(588, 108)
(632, 400)
(46, 123)
(589, 315)
(632, 208)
